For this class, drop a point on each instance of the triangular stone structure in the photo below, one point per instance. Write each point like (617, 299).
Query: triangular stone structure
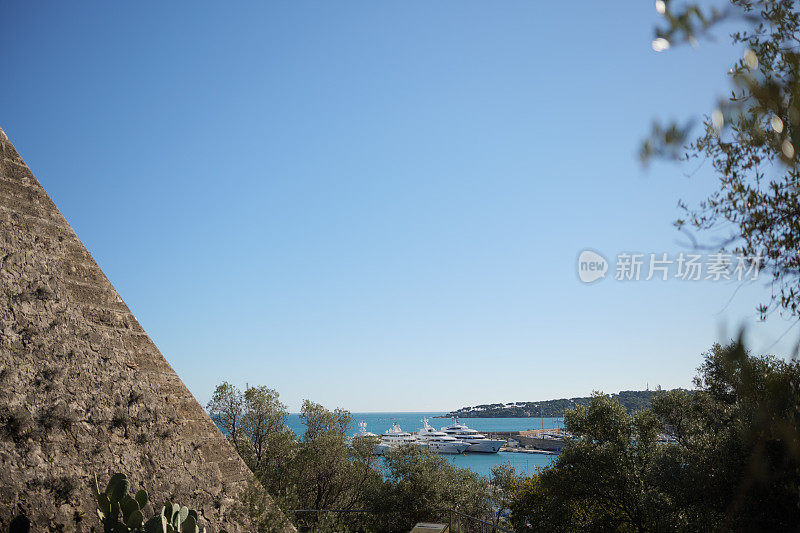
(83, 389)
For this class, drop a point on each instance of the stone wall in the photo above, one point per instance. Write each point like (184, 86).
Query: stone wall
(83, 390)
(550, 445)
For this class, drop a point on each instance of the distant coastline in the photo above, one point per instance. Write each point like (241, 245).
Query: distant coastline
(632, 401)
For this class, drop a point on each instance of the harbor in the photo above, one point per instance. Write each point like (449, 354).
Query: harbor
(526, 444)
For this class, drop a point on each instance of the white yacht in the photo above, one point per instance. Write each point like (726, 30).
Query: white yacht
(364, 434)
(478, 442)
(439, 441)
(394, 437)
(362, 430)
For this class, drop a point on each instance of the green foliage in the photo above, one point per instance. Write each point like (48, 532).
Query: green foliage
(174, 518)
(631, 400)
(320, 421)
(738, 440)
(119, 512)
(502, 485)
(226, 410)
(733, 463)
(752, 139)
(598, 482)
(324, 469)
(420, 485)
(254, 422)
(326, 472)
(256, 507)
(264, 415)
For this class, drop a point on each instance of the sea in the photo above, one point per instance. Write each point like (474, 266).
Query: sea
(482, 463)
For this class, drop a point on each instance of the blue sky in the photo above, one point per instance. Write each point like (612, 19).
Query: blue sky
(377, 206)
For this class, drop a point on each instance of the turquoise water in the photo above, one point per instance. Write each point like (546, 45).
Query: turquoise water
(481, 463)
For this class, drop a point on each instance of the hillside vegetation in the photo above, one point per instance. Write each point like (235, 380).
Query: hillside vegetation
(631, 400)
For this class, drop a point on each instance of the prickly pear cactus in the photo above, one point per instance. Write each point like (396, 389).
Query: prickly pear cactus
(120, 512)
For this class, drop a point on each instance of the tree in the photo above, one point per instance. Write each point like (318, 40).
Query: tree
(324, 469)
(255, 423)
(226, 409)
(733, 463)
(320, 421)
(738, 442)
(502, 484)
(601, 480)
(421, 485)
(275, 471)
(751, 139)
(330, 473)
(263, 422)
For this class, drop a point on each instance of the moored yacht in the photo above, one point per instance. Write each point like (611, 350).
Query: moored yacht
(362, 431)
(439, 441)
(478, 442)
(394, 437)
(364, 434)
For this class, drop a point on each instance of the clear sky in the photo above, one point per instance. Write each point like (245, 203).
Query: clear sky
(375, 205)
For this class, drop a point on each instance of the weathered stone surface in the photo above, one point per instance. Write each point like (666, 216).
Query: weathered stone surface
(83, 390)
